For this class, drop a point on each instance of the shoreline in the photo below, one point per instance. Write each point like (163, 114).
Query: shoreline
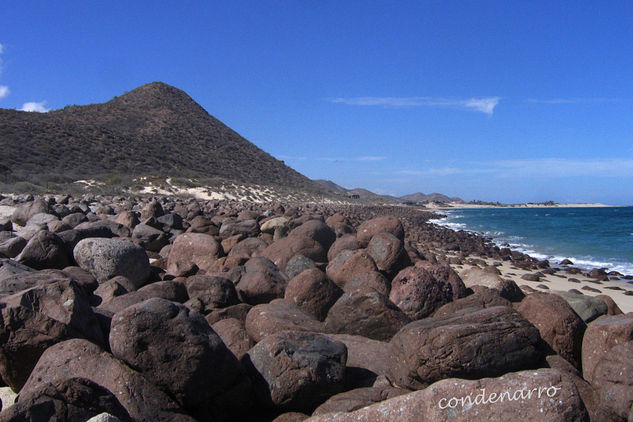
(456, 205)
(556, 278)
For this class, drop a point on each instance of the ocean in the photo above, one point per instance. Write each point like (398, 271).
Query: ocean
(590, 237)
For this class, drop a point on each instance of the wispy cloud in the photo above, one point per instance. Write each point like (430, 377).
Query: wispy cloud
(4, 90)
(555, 101)
(543, 167)
(370, 158)
(38, 107)
(291, 158)
(479, 104)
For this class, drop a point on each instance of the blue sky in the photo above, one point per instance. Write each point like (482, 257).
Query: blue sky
(495, 100)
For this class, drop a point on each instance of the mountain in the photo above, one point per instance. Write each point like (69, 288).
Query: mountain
(331, 186)
(155, 129)
(432, 197)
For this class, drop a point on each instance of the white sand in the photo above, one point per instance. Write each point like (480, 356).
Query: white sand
(560, 281)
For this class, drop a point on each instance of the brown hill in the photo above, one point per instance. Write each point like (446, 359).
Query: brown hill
(155, 130)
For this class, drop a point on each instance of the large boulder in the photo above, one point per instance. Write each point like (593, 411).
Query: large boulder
(313, 292)
(316, 230)
(600, 337)
(372, 279)
(34, 319)
(587, 307)
(349, 263)
(418, 292)
(367, 313)
(279, 315)
(234, 335)
(613, 379)
(172, 290)
(369, 228)
(212, 291)
(469, 344)
(367, 358)
(82, 359)
(176, 349)
(192, 248)
(149, 238)
(560, 327)
(476, 276)
(45, 250)
(297, 370)
(261, 282)
(106, 258)
(388, 253)
(541, 395)
(12, 246)
(282, 250)
(483, 297)
(347, 241)
(358, 398)
(24, 212)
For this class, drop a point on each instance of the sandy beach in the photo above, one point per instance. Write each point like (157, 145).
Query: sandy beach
(563, 281)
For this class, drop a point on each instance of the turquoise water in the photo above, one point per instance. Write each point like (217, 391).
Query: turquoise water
(590, 237)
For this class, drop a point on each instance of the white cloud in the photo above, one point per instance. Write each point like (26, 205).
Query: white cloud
(4, 91)
(1, 48)
(479, 104)
(38, 107)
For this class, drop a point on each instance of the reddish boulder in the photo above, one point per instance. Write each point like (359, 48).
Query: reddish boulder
(192, 248)
(313, 292)
(388, 253)
(234, 335)
(542, 395)
(282, 250)
(483, 297)
(613, 379)
(278, 315)
(560, 327)
(261, 282)
(468, 344)
(45, 250)
(600, 337)
(176, 349)
(347, 241)
(367, 313)
(419, 293)
(358, 398)
(508, 289)
(349, 263)
(212, 291)
(369, 228)
(82, 359)
(168, 290)
(297, 370)
(372, 280)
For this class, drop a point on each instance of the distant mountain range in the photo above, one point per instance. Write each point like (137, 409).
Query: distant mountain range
(416, 198)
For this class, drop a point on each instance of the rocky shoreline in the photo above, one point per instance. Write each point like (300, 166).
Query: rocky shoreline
(164, 308)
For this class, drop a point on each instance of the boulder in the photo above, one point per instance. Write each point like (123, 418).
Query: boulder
(468, 344)
(541, 395)
(249, 228)
(587, 307)
(212, 291)
(358, 398)
(282, 250)
(368, 358)
(234, 335)
(315, 230)
(44, 250)
(313, 292)
(600, 337)
(12, 246)
(192, 248)
(297, 265)
(152, 210)
(418, 293)
(369, 228)
(24, 212)
(34, 319)
(347, 241)
(388, 253)
(149, 238)
(483, 297)
(176, 349)
(278, 315)
(248, 248)
(349, 263)
(270, 225)
(174, 291)
(106, 258)
(508, 289)
(261, 282)
(297, 370)
(372, 280)
(560, 327)
(82, 359)
(613, 379)
(74, 399)
(367, 313)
